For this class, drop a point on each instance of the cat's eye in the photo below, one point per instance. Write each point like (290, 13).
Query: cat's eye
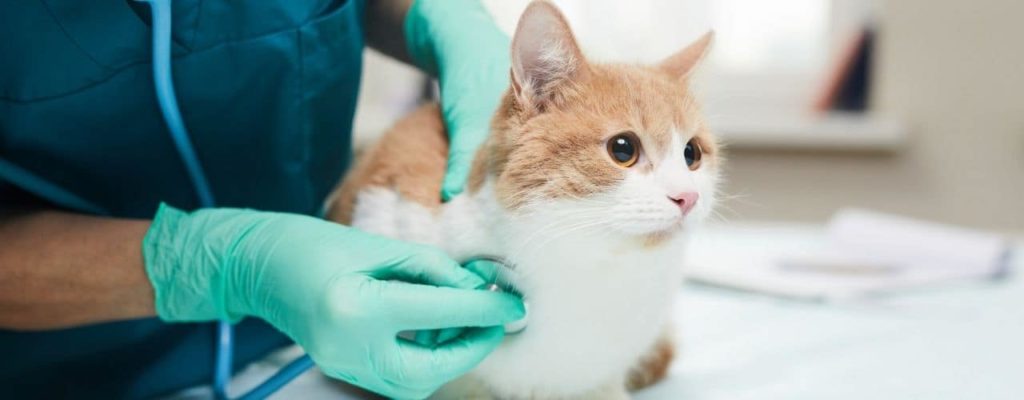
(693, 154)
(624, 149)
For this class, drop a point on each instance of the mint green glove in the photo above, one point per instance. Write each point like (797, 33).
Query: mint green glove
(458, 41)
(486, 269)
(341, 294)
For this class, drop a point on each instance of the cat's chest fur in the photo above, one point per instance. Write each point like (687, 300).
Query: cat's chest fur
(595, 303)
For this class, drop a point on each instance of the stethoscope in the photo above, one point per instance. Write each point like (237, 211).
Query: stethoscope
(161, 11)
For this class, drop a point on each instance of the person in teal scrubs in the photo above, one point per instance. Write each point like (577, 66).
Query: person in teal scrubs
(111, 274)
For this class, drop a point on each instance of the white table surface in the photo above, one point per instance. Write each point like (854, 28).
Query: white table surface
(959, 342)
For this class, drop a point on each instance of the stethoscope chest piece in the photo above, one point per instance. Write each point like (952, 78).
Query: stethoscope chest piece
(515, 326)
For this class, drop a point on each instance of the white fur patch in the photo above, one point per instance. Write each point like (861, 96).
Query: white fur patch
(598, 300)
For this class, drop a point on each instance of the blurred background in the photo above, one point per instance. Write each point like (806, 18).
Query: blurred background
(913, 107)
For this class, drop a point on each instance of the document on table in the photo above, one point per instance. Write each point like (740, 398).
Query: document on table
(858, 253)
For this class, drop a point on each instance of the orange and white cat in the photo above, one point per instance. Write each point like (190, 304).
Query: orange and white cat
(590, 178)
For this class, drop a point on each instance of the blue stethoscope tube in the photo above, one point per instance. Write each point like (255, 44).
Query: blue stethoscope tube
(161, 11)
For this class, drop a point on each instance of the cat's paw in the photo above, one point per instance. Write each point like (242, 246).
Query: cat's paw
(653, 366)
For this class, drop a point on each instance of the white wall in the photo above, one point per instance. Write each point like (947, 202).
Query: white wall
(953, 70)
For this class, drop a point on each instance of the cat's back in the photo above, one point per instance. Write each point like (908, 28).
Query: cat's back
(408, 162)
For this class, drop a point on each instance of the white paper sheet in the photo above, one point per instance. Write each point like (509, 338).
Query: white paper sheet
(859, 253)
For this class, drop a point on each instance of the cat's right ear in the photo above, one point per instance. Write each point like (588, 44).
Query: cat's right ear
(682, 64)
(545, 56)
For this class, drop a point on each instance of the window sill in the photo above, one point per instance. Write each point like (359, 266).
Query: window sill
(840, 132)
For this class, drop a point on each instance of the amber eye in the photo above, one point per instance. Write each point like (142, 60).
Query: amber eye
(624, 149)
(692, 154)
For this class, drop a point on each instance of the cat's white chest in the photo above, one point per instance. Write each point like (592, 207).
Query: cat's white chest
(596, 304)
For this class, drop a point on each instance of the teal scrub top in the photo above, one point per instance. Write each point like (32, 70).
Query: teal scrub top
(267, 90)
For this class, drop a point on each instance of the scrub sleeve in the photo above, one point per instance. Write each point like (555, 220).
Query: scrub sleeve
(268, 92)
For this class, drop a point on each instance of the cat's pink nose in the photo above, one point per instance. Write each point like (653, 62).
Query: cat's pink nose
(685, 201)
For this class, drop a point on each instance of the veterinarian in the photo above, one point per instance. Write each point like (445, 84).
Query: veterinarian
(112, 275)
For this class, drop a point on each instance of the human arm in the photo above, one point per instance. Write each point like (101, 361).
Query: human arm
(384, 26)
(60, 269)
(341, 294)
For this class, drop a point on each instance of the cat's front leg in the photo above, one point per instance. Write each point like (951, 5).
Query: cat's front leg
(653, 366)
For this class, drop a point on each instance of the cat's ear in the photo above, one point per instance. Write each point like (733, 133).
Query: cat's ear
(545, 55)
(682, 63)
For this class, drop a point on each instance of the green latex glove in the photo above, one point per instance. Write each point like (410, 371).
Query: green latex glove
(458, 41)
(485, 269)
(341, 294)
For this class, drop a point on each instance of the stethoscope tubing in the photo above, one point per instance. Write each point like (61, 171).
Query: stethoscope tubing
(167, 100)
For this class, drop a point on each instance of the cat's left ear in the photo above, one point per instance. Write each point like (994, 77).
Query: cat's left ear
(682, 63)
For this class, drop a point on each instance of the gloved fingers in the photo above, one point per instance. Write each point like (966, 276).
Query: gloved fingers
(428, 337)
(460, 163)
(468, 127)
(384, 378)
(398, 390)
(431, 267)
(434, 337)
(421, 307)
(445, 335)
(485, 269)
(450, 359)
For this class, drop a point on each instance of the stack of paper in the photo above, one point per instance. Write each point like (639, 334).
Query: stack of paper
(859, 252)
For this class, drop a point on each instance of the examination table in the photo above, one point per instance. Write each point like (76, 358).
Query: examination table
(953, 342)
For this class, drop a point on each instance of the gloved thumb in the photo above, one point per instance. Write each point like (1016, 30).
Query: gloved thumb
(466, 139)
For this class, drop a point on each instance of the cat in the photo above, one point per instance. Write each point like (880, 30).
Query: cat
(589, 181)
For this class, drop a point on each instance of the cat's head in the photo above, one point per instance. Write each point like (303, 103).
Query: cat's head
(620, 148)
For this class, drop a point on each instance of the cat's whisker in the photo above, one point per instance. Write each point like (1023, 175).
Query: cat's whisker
(718, 215)
(527, 245)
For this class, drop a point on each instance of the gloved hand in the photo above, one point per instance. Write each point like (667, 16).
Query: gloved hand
(458, 41)
(485, 269)
(341, 294)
